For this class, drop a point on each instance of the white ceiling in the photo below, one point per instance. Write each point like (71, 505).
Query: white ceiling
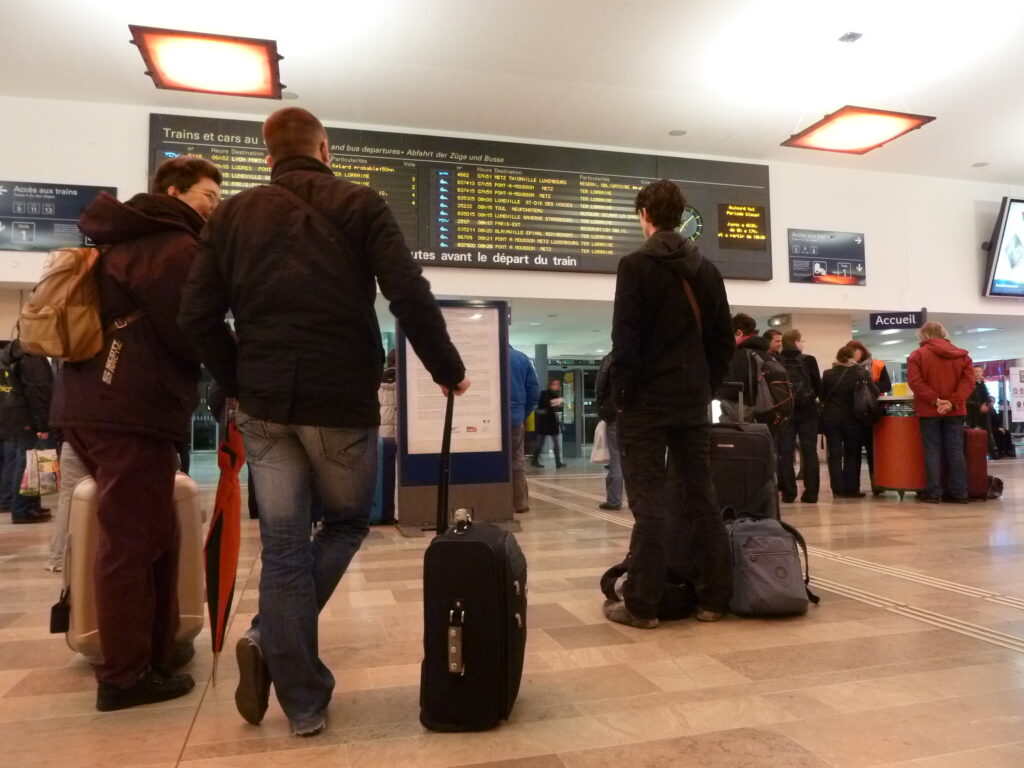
(739, 76)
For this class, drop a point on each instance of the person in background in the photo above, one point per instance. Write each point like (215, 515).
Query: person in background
(737, 392)
(979, 410)
(548, 423)
(1003, 441)
(388, 395)
(802, 426)
(880, 376)
(607, 413)
(125, 410)
(844, 433)
(24, 420)
(524, 391)
(72, 471)
(940, 375)
(671, 347)
(774, 339)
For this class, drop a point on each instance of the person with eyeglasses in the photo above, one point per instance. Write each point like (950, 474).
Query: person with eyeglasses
(124, 411)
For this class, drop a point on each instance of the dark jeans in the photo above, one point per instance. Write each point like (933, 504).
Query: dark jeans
(844, 441)
(556, 446)
(136, 574)
(943, 439)
(676, 494)
(806, 432)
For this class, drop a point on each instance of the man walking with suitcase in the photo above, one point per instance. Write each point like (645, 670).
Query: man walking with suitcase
(295, 262)
(672, 343)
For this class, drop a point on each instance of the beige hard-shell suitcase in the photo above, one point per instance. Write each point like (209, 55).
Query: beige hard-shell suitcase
(80, 558)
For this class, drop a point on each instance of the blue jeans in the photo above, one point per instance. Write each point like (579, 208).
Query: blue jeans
(300, 573)
(22, 507)
(613, 480)
(943, 439)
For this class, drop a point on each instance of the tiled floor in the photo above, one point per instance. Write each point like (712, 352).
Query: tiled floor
(915, 657)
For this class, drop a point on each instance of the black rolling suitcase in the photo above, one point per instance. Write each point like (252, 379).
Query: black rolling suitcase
(474, 618)
(743, 469)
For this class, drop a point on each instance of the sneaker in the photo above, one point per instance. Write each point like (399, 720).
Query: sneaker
(703, 614)
(616, 611)
(606, 505)
(305, 733)
(252, 697)
(151, 688)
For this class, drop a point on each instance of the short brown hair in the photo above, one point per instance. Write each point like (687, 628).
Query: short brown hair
(744, 323)
(845, 353)
(664, 203)
(182, 172)
(293, 132)
(864, 351)
(790, 338)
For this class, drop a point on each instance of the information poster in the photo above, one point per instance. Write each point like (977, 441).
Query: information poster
(476, 428)
(40, 216)
(473, 204)
(829, 258)
(1017, 394)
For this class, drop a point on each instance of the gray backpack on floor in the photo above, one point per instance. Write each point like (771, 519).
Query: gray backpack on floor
(767, 576)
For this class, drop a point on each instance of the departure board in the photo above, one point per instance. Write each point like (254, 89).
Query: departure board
(477, 204)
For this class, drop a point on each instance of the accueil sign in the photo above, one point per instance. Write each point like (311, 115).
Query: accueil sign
(881, 321)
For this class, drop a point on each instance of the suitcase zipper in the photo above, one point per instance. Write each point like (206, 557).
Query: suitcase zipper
(456, 619)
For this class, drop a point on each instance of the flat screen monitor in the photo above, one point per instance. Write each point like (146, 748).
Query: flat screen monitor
(1005, 275)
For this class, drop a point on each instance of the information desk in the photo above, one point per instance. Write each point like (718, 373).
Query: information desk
(899, 452)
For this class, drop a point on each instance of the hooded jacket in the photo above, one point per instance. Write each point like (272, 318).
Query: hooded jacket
(739, 369)
(938, 370)
(659, 358)
(302, 294)
(144, 380)
(26, 390)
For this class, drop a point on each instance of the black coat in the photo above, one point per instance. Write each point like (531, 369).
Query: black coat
(302, 296)
(659, 359)
(740, 372)
(546, 421)
(25, 392)
(837, 390)
(145, 379)
(810, 364)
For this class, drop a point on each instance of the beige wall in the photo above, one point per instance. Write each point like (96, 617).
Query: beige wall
(10, 304)
(823, 334)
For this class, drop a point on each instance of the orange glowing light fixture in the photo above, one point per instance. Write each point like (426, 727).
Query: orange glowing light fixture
(856, 130)
(193, 61)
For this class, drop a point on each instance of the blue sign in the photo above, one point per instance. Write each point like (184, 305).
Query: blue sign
(881, 321)
(40, 216)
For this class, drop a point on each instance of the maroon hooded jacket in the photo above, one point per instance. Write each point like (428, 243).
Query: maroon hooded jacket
(144, 380)
(938, 370)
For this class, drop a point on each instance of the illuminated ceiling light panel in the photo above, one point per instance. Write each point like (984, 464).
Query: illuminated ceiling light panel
(856, 130)
(193, 61)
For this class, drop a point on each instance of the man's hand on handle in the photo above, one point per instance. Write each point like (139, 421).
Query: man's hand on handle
(458, 389)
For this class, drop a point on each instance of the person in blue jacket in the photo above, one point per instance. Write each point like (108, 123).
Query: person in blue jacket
(524, 390)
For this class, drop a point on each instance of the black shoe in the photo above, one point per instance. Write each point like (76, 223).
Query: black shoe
(924, 497)
(536, 464)
(524, 509)
(788, 499)
(877, 491)
(561, 466)
(252, 696)
(151, 688)
(37, 518)
(956, 500)
(809, 499)
(606, 505)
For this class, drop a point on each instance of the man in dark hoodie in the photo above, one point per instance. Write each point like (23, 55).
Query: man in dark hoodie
(941, 377)
(672, 343)
(124, 410)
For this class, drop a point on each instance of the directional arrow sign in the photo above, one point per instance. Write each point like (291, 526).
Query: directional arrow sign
(860, 267)
(858, 240)
(2, 226)
(3, 190)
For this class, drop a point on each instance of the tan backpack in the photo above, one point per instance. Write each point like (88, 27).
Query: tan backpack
(62, 315)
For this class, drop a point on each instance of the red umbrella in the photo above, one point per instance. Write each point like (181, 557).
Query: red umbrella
(224, 539)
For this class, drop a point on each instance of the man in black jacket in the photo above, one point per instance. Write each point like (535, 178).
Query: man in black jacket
(672, 343)
(25, 394)
(805, 378)
(295, 261)
(749, 344)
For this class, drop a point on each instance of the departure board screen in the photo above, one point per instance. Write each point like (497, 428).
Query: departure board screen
(477, 204)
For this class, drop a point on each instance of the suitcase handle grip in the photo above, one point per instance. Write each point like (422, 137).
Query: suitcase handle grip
(444, 468)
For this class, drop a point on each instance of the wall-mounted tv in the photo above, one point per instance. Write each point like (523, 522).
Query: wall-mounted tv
(1005, 275)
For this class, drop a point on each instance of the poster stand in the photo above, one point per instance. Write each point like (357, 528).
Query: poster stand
(481, 472)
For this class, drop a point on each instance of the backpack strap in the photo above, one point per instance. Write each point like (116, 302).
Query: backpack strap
(798, 537)
(688, 290)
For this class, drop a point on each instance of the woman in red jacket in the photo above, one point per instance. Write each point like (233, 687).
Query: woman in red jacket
(940, 375)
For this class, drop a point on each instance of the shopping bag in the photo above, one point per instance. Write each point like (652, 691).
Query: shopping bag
(599, 453)
(42, 473)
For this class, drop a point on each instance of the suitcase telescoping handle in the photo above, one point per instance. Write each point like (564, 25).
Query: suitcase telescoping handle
(444, 470)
